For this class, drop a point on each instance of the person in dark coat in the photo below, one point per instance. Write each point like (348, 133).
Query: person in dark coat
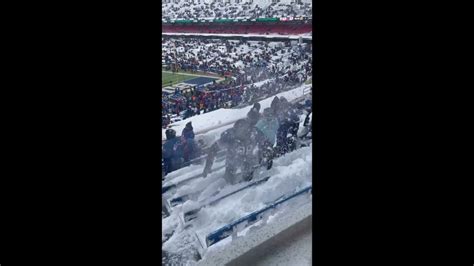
(188, 144)
(172, 152)
(274, 105)
(253, 116)
(288, 127)
(256, 106)
(294, 122)
(188, 132)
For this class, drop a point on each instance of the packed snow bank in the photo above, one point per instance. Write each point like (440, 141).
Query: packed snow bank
(290, 247)
(216, 119)
(289, 173)
(234, 251)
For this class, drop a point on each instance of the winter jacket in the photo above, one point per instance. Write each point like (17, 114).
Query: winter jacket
(274, 104)
(254, 116)
(269, 127)
(172, 154)
(188, 132)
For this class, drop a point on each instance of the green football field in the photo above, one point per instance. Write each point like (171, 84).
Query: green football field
(169, 78)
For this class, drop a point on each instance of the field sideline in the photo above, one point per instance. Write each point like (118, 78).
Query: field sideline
(169, 78)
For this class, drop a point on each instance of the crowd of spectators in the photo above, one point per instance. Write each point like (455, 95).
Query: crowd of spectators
(196, 102)
(232, 56)
(230, 9)
(255, 69)
(277, 127)
(259, 28)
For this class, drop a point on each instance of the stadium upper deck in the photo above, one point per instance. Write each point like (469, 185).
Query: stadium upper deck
(231, 9)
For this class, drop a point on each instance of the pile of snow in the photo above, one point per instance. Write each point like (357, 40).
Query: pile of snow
(290, 173)
(294, 251)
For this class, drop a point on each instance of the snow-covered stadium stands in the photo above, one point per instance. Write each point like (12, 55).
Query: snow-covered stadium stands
(230, 9)
(285, 28)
